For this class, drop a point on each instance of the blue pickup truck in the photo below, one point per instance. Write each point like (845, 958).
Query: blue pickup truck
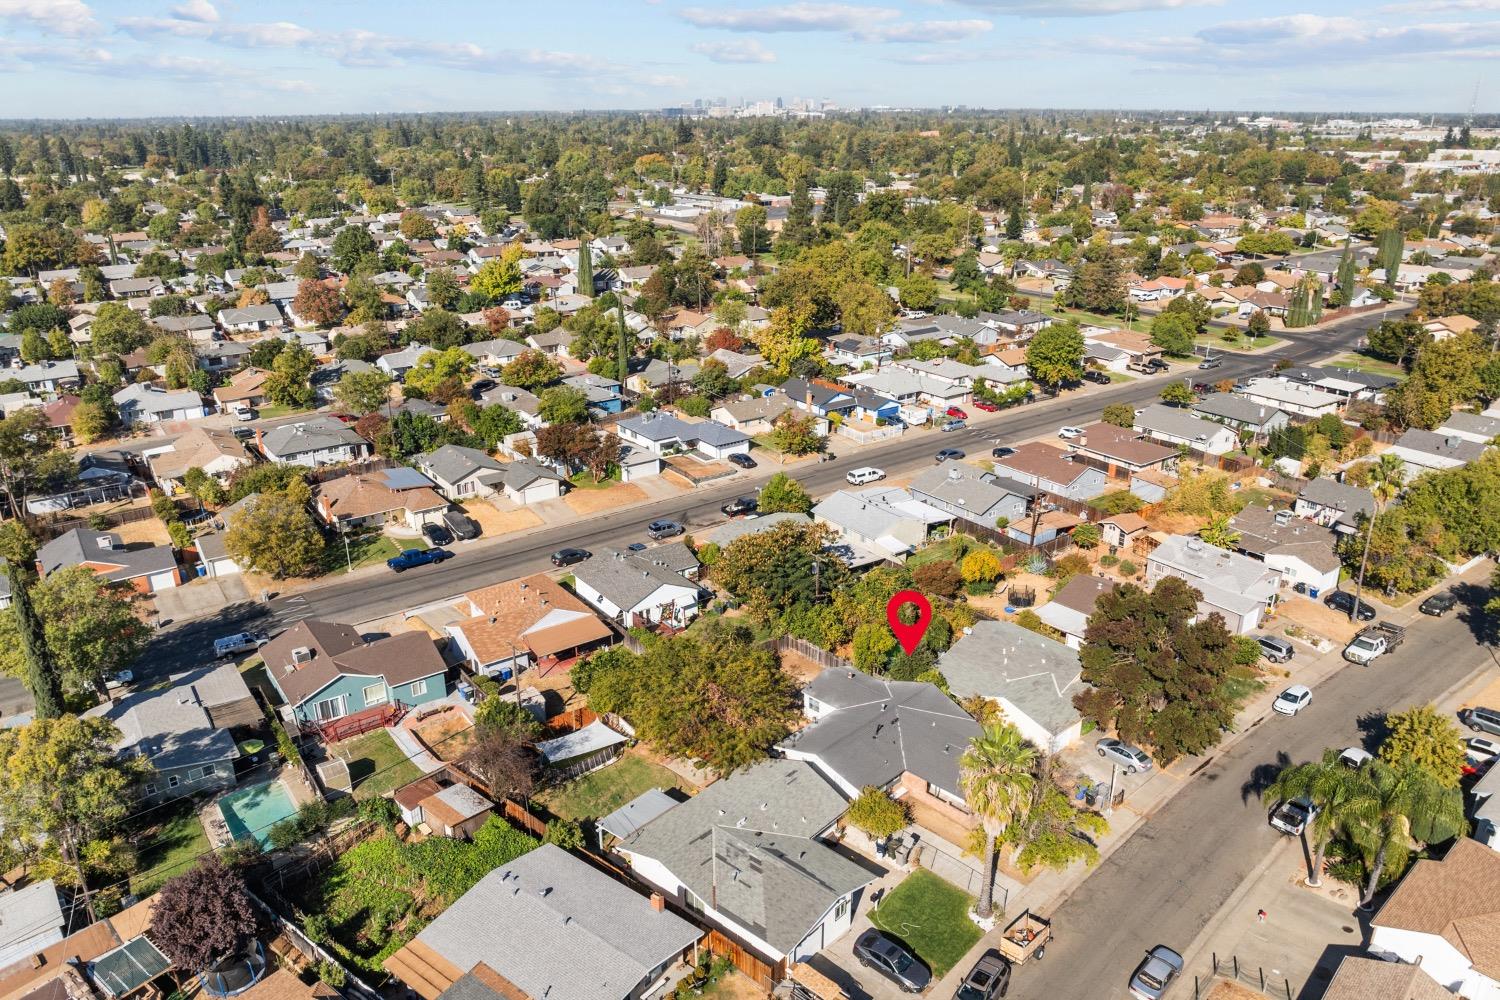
(417, 557)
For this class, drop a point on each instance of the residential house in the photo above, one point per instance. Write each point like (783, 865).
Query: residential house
(758, 414)
(142, 403)
(312, 441)
(853, 351)
(594, 938)
(737, 364)
(601, 393)
(217, 452)
(136, 288)
(495, 352)
(1172, 425)
(767, 820)
(398, 363)
(195, 326)
(1031, 677)
(459, 472)
(659, 373)
(31, 921)
(1300, 551)
(885, 522)
(1017, 325)
(1235, 411)
(1293, 397)
(398, 496)
(822, 399)
(970, 493)
(324, 671)
(1123, 449)
(554, 343)
(1446, 327)
(523, 403)
(46, 378)
(1162, 289)
(218, 356)
(1344, 382)
(1444, 917)
(654, 587)
(1471, 427)
(1071, 607)
(250, 319)
(1428, 451)
(663, 433)
(906, 737)
(1237, 587)
(186, 731)
(144, 568)
(247, 388)
(1333, 504)
(524, 624)
(1137, 346)
(1052, 470)
(59, 414)
(1360, 978)
(1011, 363)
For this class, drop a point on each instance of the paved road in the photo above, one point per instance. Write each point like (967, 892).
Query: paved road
(374, 596)
(1166, 882)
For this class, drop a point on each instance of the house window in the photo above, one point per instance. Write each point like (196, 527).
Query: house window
(173, 781)
(333, 708)
(375, 694)
(841, 909)
(150, 789)
(812, 704)
(418, 688)
(195, 773)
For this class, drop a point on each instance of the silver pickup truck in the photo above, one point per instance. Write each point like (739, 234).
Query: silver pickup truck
(1292, 816)
(1375, 640)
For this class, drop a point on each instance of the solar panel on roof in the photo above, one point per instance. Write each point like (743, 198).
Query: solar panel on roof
(404, 479)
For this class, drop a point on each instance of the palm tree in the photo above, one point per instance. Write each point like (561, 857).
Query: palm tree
(1386, 477)
(1329, 786)
(997, 773)
(1393, 807)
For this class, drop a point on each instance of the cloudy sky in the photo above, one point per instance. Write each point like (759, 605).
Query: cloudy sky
(102, 58)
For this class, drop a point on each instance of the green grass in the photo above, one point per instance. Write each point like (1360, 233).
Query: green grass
(585, 480)
(273, 410)
(1214, 338)
(952, 548)
(365, 550)
(256, 676)
(1243, 682)
(174, 842)
(931, 917)
(1365, 363)
(601, 792)
(376, 764)
(1121, 377)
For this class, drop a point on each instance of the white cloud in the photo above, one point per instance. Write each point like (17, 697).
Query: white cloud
(53, 17)
(103, 62)
(1303, 39)
(1084, 8)
(196, 10)
(790, 17)
(926, 31)
(746, 51)
(1437, 6)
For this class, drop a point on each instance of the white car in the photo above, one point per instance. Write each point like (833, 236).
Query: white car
(1293, 700)
(1482, 747)
(1069, 433)
(1354, 758)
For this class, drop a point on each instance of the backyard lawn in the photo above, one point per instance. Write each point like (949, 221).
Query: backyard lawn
(601, 792)
(376, 764)
(932, 917)
(174, 843)
(953, 549)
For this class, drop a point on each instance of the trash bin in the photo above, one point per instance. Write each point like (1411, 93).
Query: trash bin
(1091, 795)
(1312, 592)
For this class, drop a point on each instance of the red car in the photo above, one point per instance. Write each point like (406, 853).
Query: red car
(957, 413)
(986, 407)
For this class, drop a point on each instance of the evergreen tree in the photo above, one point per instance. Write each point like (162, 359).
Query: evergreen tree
(1344, 293)
(720, 177)
(19, 551)
(622, 361)
(797, 231)
(585, 267)
(1389, 254)
(1013, 224)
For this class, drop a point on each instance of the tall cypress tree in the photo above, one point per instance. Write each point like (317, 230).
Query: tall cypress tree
(622, 349)
(1014, 227)
(1344, 294)
(41, 677)
(585, 266)
(797, 231)
(1392, 242)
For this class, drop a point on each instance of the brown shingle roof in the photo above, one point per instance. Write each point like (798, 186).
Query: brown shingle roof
(1360, 978)
(196, 449)
(1038, 459)
(1457, 898)
(366, 494)
(508, 614)
(1124, 445)
(283, 984)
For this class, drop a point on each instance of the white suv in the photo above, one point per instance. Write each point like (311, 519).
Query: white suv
(868, 474)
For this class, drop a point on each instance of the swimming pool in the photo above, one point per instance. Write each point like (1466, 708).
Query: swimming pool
(252, 811)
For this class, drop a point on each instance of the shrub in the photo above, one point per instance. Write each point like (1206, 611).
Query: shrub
(939, 577)
(563, 833)
(1128, 568)
(877, 814)
(1087, 536)
(1108, 560)
(331, 973)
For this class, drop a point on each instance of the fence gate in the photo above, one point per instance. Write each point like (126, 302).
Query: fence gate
(764, 974)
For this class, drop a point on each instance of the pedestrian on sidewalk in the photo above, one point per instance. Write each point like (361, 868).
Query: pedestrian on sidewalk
(1260, 916)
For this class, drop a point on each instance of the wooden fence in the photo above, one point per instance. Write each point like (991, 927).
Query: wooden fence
(51, 526)
(810, 651)
(331, 472)
(764, 974)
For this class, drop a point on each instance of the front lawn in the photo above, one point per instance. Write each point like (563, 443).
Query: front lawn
(601, 792)
(932, 917)
(1367, 364)
(174, 842)
(376, 764)
(364, 550)
(585, 480)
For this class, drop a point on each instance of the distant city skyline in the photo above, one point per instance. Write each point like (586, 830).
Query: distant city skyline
(105, 58)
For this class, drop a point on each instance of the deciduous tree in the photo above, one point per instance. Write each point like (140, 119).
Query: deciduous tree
(204, 916)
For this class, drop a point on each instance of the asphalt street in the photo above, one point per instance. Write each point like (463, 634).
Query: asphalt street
(371, 596)
(1170, 878)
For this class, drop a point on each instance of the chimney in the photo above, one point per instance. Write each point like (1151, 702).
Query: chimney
(658, 902)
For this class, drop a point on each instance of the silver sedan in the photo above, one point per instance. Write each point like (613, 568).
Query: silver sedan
(1131, 758)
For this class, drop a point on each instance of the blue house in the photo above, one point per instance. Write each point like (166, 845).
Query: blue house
(603, 393)
(326, 671)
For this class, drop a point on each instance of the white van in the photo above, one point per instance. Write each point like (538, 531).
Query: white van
(858, 477)
(240, 642)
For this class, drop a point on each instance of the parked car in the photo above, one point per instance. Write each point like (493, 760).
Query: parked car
(1002, 452)
(465, 528)
(740, 459)
(437, 534)
(657, 530)
(1354, 758)
(952, 425)
(637, 547)
(412, 558)
(240, 642)
(876, 951)
(949, 455)
(989, 978)
(243, 433)
(987, 407)
(863, 475)
(1070, 433)
(1482, 747)
(1293, 700)
(739, 506)
(1292, 816)
(1481, 720)
(1439, 604)
(956, 411)
(1209, 363)
(1155, 973)
(1343, 602)
(481, 387)
(567, 557)
(1131, 758)
(1374, 640)
(244, 412)
(1274, 649)
(1097, 377)
(1157, 365)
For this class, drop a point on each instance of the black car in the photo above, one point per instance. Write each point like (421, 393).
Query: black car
(949, 455)
(739, 506)
(1157, 365)
(1439, 604)
(462, 526)
(989, 978)
(657, 530)
(741, 459)
(437, 534)
(1002, 452)
(567, 557)
(1097, 377)
(481, 387)
(876, 951)
(1343, 602)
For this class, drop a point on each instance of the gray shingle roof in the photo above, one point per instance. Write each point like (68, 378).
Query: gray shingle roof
(747, 843)
(171, 728)
(628, 578)
(1232, 407)
(1003, 660)
(665, 427)
(966, 486)
(882, 728)
(1178, 423)
(1346, 497)
(312, 434)
(83, 545)
(1439, 445)
(452, 463)
(561, 930)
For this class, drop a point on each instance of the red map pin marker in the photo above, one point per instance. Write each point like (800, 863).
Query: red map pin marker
(909, 636)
